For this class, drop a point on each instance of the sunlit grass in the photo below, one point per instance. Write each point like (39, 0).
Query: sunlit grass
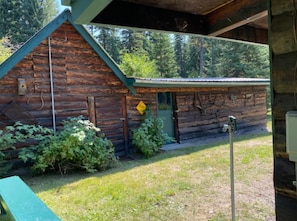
(185, 184)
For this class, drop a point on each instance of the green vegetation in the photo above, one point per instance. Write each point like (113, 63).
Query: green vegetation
(5, 49)
(185, 184)
(138, 66)
(17, 133)
(19, 20)
(76, 146)
(186, 56)
(150, 137)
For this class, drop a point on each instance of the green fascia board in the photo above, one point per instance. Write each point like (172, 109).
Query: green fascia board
(66, 2)
(84, 11)
(35, 40)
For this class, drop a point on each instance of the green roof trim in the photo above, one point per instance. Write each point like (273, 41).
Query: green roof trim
(36, 39)
(84, 11)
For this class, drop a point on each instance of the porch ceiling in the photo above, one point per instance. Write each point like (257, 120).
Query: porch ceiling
(236, 19)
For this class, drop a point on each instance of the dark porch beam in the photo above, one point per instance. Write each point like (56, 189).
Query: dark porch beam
(234, 15)
(128, 14)
(247, 33)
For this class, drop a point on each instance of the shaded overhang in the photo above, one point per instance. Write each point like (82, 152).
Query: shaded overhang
(242, 20)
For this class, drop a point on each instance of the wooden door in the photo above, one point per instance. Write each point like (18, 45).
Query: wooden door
(111, 119)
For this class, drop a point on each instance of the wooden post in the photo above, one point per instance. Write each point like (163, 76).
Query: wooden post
(283, 45)
(125, 124)
(91, 110)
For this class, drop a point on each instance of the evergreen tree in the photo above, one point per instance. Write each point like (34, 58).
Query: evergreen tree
(133, 41)
(109, 40)
(180, 55)
(163, 54)
(19, 20)
(193, 62)
(235, 59)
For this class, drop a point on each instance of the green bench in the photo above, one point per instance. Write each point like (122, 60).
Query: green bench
(19, 203)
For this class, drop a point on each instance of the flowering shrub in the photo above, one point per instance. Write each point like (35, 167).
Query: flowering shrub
(76, 146)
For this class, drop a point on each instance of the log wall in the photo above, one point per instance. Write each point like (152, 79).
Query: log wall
(204, 111)
(83, 84)
(283, 46)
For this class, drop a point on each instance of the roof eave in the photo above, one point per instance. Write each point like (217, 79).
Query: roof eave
(84, 11)
(167, 84)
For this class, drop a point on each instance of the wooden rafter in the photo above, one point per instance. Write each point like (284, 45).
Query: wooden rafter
(234, 15)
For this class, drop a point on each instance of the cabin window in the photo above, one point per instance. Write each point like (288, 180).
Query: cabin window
(164, 101)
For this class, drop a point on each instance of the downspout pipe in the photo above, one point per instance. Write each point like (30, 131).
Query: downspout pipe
(51, 83)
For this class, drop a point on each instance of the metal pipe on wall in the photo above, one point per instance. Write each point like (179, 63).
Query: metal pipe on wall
(51, 83)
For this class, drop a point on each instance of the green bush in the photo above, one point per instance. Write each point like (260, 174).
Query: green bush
(17, 133)
(76, 146)
(150, 137)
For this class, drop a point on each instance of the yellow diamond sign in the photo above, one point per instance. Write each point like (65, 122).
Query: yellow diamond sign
(141, 107)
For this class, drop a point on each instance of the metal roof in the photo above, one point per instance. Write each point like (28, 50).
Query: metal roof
(199, 82)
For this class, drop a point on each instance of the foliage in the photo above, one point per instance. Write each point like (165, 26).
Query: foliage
(133, 41)
(19, 20)
(162, 53)
(138, 66)
(19, 132)
(75, 146)
(5, 49)
(192, 56)
(150, 137)
(108, 39)
(180, 52)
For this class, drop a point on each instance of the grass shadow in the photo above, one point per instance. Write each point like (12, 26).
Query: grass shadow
(54, 180)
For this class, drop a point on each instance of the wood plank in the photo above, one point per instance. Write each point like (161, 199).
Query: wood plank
(282, 37)
(286, 207)
(91, 109)
(233, 15)
(281, 6)
(135, 15)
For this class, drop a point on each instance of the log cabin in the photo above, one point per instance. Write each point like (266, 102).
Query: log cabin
(271, 22)
(63, 72)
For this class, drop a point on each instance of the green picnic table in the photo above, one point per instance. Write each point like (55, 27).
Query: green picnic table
(19, 203)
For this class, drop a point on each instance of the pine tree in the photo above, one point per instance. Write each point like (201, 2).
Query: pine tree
(19, 20)
(163, 55)
(193, 63)
(133, 41)
(181, 55)
(235, 59)
(109, 40)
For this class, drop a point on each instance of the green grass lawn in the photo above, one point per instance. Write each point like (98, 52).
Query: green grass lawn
(186, 184)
